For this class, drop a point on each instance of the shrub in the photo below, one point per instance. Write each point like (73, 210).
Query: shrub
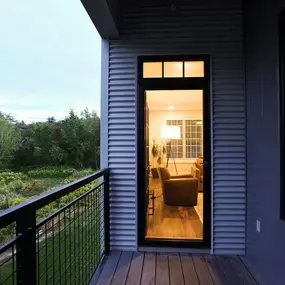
(58, 172)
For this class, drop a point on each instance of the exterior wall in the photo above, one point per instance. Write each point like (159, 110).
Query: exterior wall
(190, 30)
(265, 250)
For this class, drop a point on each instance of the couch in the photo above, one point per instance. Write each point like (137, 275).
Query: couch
(178, 190)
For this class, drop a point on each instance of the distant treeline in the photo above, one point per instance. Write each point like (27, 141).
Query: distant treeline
(74, 141)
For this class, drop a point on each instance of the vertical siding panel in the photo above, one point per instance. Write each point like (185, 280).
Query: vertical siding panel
(190, 30)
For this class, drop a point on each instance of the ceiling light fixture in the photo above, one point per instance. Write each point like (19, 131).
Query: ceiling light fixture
(170, 108)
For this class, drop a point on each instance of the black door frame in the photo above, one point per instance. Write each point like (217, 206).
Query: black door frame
(193, 83)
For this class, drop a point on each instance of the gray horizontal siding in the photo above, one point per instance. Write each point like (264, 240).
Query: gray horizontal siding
(156, 31)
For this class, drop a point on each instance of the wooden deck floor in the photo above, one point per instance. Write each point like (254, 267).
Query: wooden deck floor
(134, 268)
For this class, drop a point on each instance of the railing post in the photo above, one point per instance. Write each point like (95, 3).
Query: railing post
(107, 212)
(27, 249)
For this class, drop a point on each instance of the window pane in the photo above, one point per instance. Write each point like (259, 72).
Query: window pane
(193, 137)
(176, 145)
(194, 69)
(173, 69)
(152, 69)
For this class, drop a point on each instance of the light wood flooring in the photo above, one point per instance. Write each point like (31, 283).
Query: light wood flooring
(139, 268)
(173, 222)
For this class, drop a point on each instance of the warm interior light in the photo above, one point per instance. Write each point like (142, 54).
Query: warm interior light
(199, 123)
(170, 108)
(170, 132)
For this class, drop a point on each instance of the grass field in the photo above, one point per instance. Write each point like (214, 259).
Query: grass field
(69, 245)
(67, 253)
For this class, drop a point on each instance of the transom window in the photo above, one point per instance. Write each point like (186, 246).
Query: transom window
(173, 69)
(190, 144)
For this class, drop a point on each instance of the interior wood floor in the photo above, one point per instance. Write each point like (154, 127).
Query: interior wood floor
(172, 222)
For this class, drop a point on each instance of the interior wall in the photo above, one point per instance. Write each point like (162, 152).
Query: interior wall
(265, 250)
(158, 118)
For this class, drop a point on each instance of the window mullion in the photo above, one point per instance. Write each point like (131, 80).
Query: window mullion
(184, 138)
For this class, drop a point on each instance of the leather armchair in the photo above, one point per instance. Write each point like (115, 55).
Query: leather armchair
(197, 171)
(179, 190)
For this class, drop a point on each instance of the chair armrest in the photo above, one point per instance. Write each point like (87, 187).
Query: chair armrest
(196, 172)
(180, 182)
(181, 176)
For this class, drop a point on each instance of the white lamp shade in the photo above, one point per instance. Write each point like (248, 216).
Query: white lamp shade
(170, 132)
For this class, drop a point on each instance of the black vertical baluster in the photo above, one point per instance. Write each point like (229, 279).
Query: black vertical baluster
(59, 249)
(65, 261)
(94, 229)
(27, 249)
(38, 254)
(86, 239)
(90, 235)
(53, 253)
(70, 245)
(75, 275)
(78, 237)
(97, 227)
(13, 265)
(81, 231)
(83, 241)
(106, 213)
(46, 246)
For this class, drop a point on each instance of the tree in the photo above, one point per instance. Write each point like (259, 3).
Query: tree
(74, 141)
(9, 138)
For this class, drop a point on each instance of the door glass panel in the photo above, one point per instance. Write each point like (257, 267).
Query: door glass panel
(173, 69)
(174, 146)
(152, 69)
(194, 68)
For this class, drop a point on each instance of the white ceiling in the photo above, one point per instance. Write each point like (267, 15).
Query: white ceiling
(179, 99)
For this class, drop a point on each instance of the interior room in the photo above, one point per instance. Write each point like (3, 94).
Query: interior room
(174, 146)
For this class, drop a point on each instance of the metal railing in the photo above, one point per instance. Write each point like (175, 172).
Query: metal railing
(67, 246)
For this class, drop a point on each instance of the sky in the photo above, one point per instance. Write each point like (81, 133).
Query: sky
(50, 59)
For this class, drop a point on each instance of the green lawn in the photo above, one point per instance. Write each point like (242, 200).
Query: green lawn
(67, 256)
(69, 252)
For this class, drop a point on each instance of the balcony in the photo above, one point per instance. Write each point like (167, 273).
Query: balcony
(72, 246)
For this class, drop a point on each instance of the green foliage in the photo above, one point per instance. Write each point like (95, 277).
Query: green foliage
(158, 152)
(57, 172)
(44, 155)
(16, 187)
(9, 137)
(73, 141)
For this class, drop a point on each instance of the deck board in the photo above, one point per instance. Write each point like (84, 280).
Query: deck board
(242, 271)
(135, 271)
(230, 273)
(162, 270)
(202, 270)
(175, 270)
(148, 273)
(139, 268)
(216, 272)
(122, 269)
(109, 269)
(189, 272)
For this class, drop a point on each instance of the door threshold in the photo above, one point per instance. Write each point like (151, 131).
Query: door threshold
(174, 249)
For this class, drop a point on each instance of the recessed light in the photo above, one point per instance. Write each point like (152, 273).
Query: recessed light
(170, 108)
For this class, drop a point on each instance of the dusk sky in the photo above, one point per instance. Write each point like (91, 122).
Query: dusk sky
(50, 57)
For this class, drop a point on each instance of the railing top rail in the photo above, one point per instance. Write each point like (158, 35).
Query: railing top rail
(10, 215)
